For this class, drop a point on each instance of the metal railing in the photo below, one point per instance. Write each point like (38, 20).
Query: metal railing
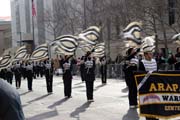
(116, 70)
(113, 71)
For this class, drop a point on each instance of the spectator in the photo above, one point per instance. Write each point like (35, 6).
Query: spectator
(161, 59)
(119, 58)
(177, 55)
(171, 60)
(11, 108)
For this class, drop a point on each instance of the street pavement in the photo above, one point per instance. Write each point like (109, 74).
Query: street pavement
(111, 103)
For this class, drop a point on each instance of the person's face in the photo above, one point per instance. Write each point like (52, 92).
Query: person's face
(133, 50)
(89, 56)
(149, 55)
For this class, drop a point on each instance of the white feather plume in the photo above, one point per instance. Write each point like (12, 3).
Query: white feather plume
(148, 43)
(176, 37)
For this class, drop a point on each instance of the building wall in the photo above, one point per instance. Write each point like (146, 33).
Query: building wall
(40, 18)
(5, 36)
(27, 16)
(22, 30)
(13, 22)
(1, 42)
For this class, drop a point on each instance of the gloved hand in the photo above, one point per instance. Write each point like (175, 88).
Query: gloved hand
(138, 50)
(92, 50)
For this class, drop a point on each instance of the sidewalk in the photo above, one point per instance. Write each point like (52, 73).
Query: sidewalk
(110, 102)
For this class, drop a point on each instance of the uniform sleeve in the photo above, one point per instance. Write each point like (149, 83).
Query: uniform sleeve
(61, 63)
(132, 55)
(94, 65)
(141, 66)
(71, 66)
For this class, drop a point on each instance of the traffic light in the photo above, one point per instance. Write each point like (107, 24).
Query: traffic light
(171, 9)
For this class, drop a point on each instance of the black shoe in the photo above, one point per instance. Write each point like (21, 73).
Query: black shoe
(90, 100)
(133, 106)
(69, 96)
(30, 90)
(50, 93)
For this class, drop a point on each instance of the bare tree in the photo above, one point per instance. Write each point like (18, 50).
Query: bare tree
(67, 17)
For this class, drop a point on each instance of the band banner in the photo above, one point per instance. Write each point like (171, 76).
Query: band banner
(160, 94)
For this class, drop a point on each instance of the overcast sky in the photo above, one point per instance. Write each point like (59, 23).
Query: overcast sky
(5, 8)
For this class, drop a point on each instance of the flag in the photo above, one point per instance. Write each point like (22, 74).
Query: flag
(65, 44)
(40, 53)
(133, 32)
(33, 9)
(5, 62)
(99, 50)
(90, 35)
(176, 37)
(148, 44)
(20, 54)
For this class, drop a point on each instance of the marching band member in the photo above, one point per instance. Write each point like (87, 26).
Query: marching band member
(41, 68)
(17, 73)
(82, 66)
(131, 66)
(30, 75)
(9, 75)
(67, 76)
(2, 74)
(35, 70)
(89, 76)
(23, 69)
(49, 75)
(148, 64)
